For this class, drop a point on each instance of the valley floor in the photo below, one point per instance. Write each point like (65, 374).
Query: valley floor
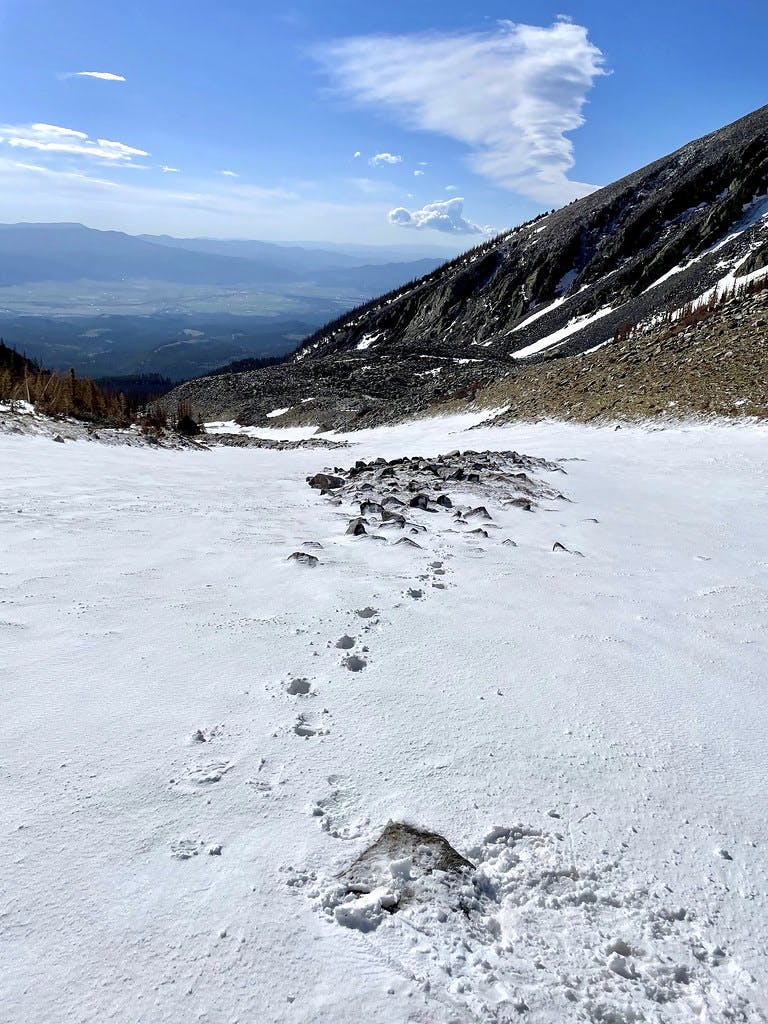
(589, 731)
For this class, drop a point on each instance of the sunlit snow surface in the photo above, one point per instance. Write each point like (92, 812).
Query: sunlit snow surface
(171, 840)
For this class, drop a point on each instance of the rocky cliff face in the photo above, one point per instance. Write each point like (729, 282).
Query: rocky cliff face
(558, 286)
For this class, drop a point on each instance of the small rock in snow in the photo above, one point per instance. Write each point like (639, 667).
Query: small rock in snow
(302, 558)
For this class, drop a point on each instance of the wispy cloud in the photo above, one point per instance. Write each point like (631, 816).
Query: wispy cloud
(371, 187)
(32, 191)
(511, 95)
(451, 188)
(418, 174)
(446, 215)
(170, 170)
(105, 76)
(53, 139)
(385, 158)
(229, 174)
(356, 154)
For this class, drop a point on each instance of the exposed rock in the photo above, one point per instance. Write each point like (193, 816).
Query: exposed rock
(371, 508)
(557, 546)
(303, 558)
(405, 853)
(325, 482)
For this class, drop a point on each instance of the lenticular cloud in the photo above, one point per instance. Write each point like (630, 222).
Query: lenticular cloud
(511, 95)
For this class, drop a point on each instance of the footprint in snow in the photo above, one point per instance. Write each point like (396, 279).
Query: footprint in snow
(298, 687)
(185, 849)
(367, 612)
(200, 776)
(311, 724)
(354, 663)
(345, 643)
(205, 735)
(337, 811)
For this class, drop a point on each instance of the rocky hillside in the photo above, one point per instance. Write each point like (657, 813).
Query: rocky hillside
(689, 225)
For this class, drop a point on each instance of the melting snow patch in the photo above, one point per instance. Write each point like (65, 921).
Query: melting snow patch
(576, 325)
(278, 412)
(367, 341)
(536, 316)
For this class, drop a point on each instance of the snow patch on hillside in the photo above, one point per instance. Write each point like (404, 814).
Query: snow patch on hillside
(573, 327)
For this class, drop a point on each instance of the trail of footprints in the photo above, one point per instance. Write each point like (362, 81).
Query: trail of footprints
(487, 945)
(409, 485)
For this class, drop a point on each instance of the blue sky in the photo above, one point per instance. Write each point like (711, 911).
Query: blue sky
(465, 118)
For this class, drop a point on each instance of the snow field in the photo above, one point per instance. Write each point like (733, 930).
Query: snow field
(192, 756)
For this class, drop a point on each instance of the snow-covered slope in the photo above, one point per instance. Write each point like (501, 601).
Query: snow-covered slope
(589, 731)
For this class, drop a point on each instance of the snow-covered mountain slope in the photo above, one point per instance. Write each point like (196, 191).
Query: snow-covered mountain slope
(555, 287)
(194, 754)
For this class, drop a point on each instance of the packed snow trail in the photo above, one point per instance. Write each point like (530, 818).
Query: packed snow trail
(194, 751)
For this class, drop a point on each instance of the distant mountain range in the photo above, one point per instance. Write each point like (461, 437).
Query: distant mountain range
(72, 252)
(661, 272)
(110, 303)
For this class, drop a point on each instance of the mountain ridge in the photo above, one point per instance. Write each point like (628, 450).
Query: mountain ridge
(559, 285)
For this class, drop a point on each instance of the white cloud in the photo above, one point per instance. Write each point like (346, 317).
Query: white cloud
(357, 154)
(511, 95)
(418, 174)
(229, 174)
(170, 170)
(53, 139)
(105, 76)
(451, 188)
(385, 158)
(445, 215)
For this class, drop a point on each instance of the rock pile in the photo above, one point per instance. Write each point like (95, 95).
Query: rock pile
(388, 495)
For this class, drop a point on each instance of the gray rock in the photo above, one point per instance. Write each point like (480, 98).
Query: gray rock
(481, 512)
(420, 852)
(370, 508)
(325, 482)
(419, 501)
(303, 558)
